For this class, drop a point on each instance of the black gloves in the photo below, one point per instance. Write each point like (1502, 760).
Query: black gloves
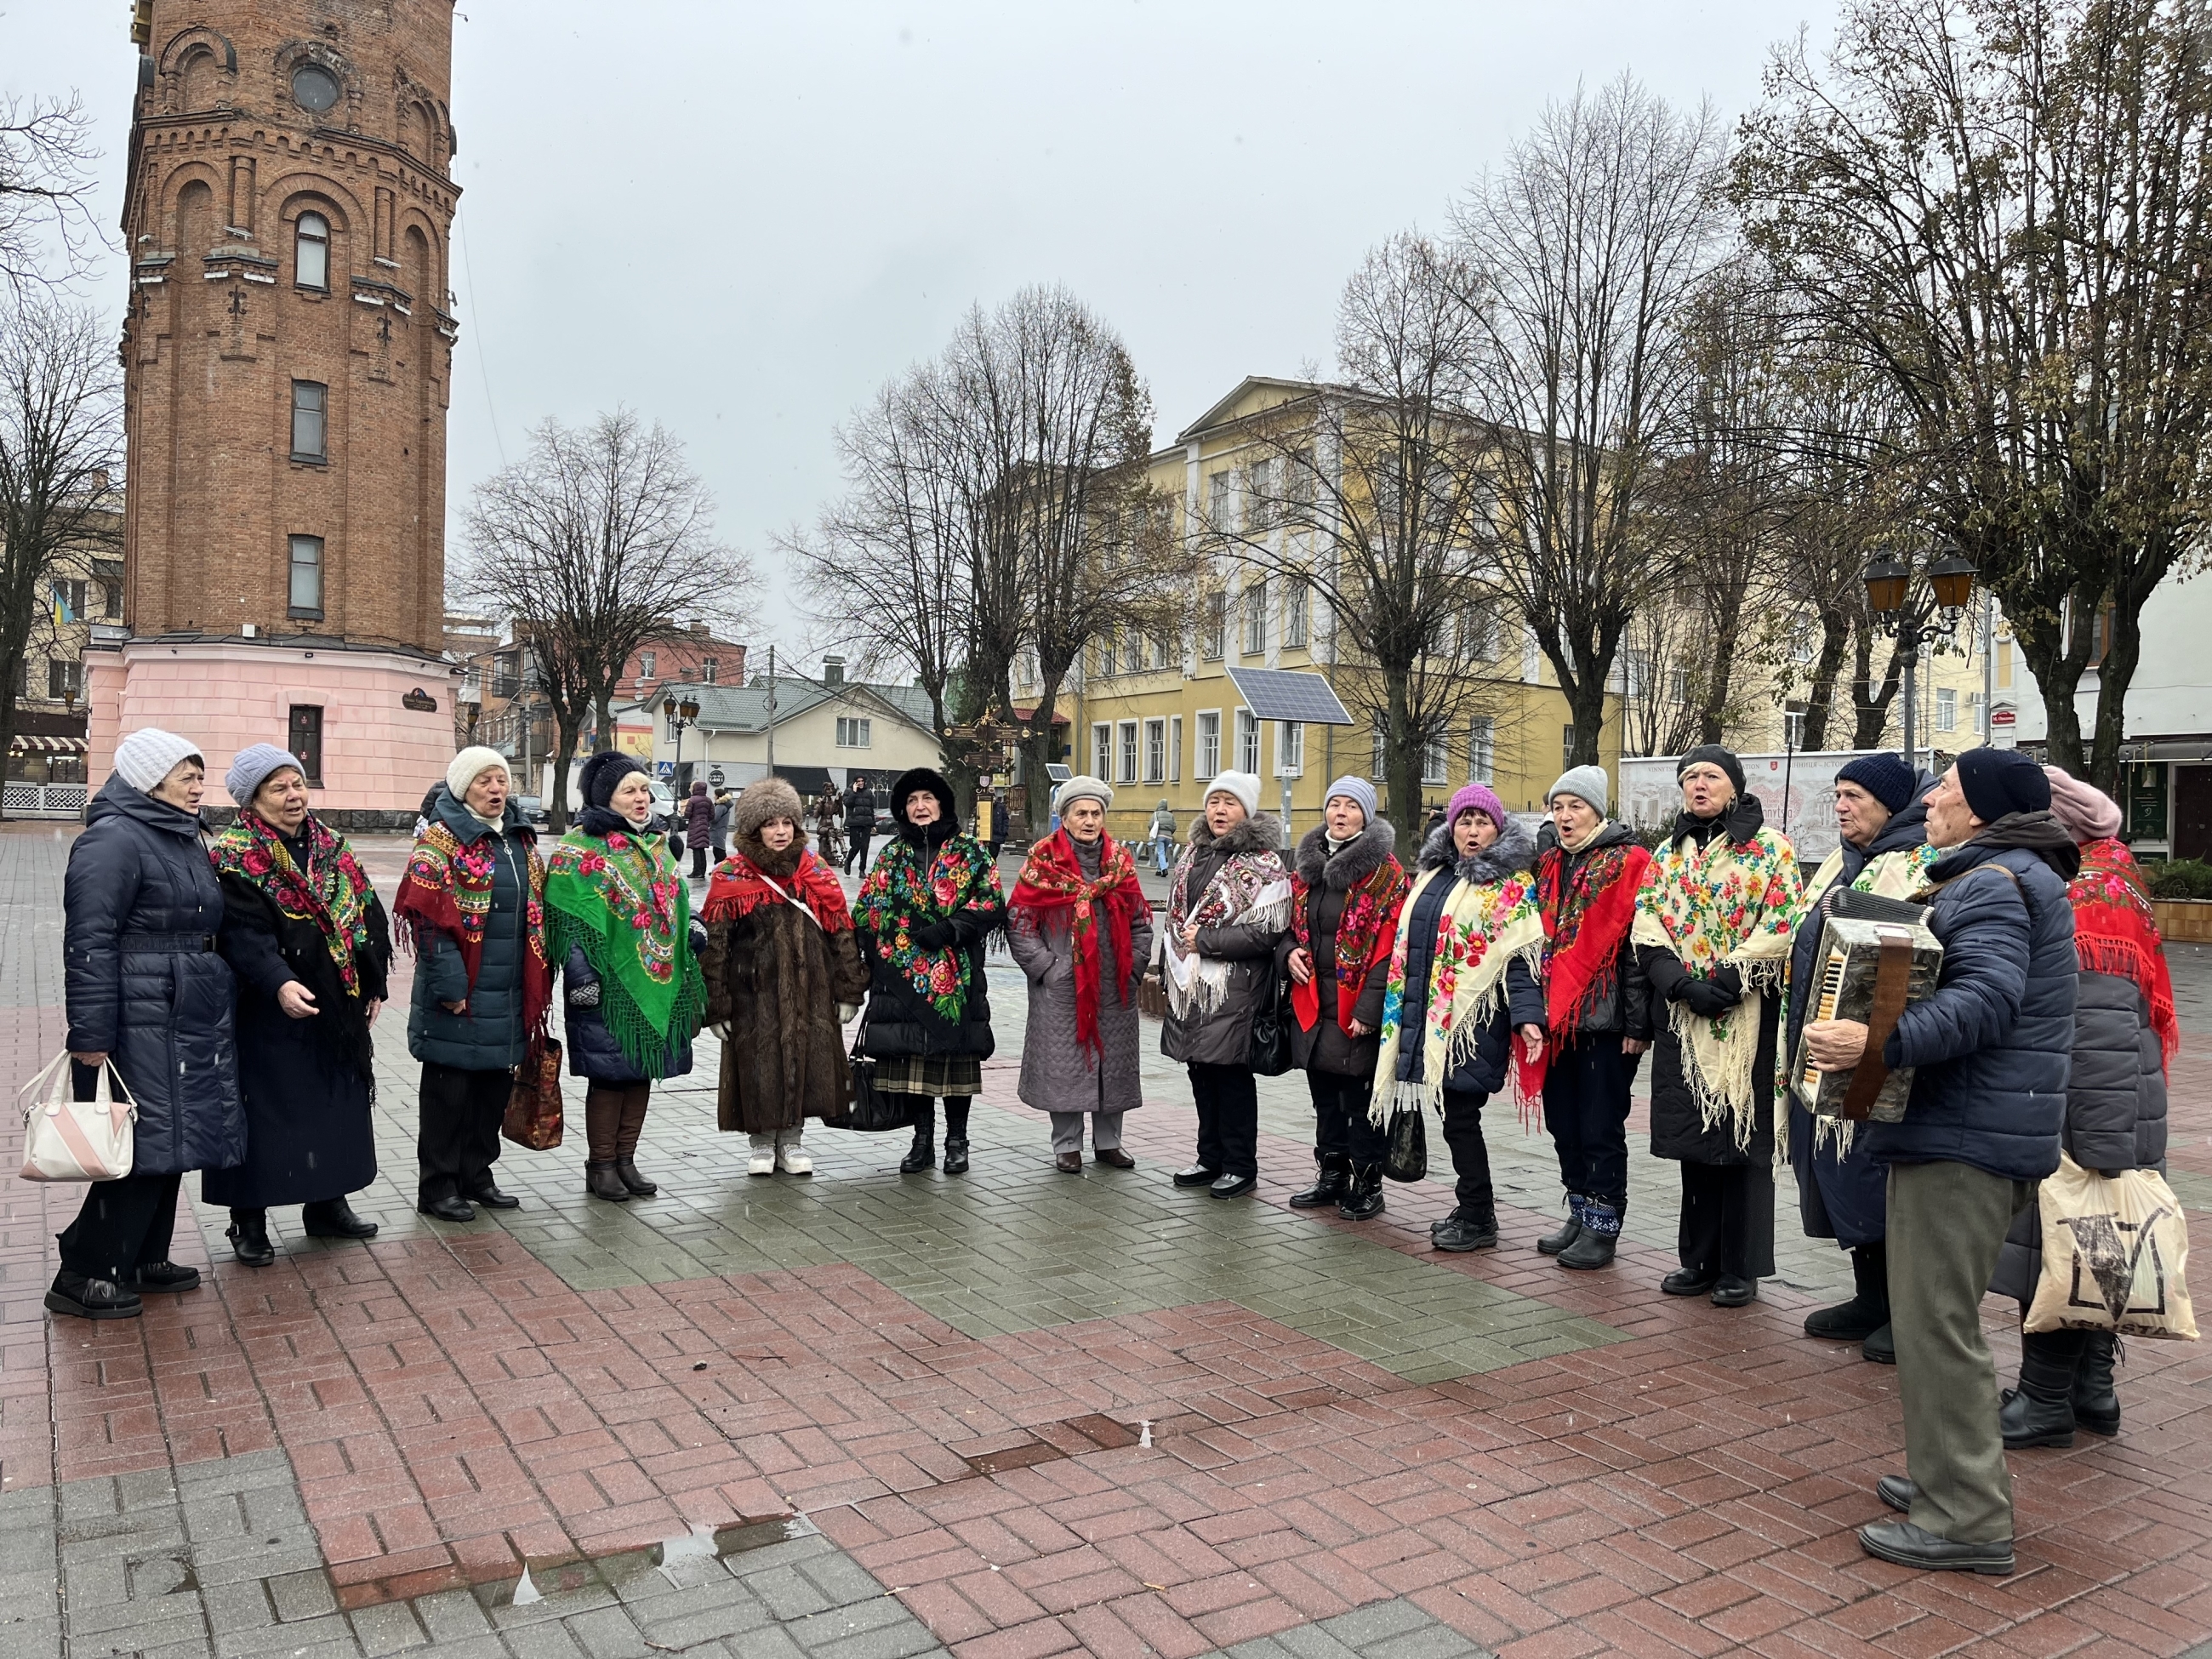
(1709, 998)
(935, 936)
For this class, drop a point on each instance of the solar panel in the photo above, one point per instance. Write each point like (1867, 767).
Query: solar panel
(1283, 694)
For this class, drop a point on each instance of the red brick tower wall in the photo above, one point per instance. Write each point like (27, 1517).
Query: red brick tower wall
(227, 155)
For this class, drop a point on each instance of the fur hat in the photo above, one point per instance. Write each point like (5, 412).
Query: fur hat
(1355, 789)
(1712, 754)
(602, 774)
(1083, 787)
(150, 754)
(1238, 785)
(1584, 783)
(918, 778)
(1476, 797)
(1885, 776)
(764, 799)
(254, 765)
(2083, 810)
(472, 763)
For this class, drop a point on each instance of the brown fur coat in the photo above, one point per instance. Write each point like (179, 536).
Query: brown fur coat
(776, 979)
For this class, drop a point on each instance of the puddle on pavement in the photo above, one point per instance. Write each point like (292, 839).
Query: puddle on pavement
(544, 1577)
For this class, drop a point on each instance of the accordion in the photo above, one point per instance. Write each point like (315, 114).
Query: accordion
(1877, 955)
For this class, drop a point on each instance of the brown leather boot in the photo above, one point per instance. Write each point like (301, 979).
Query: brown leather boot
(634, 1102)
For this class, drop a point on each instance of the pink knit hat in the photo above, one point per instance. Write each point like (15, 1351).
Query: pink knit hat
(2083, 810)
(1477, 797)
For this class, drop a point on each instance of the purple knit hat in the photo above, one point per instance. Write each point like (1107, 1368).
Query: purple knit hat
(1476, 797)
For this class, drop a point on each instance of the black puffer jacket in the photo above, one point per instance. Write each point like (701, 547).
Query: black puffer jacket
(900, 1024)
(489, 1035)
(140, 911)
(1329, 879)
(1223, 1035)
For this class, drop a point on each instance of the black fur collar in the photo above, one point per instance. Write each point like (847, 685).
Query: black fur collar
(1262, 832)
(1514, 849)
(1350, 864)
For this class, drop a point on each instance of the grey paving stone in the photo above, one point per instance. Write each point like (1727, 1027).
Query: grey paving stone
(242, 1605)
(452, 1616)
(389, 1627)
(735, 1614)
(546, 1641)
(787, 1594)
(312, 1634)
(841, 1579)
(906, 1636)
(608, 1633)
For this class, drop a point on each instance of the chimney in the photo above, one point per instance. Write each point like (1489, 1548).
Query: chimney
(833, 671)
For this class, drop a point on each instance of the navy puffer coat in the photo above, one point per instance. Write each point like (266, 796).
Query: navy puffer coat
(140, 910)
(1994, 1042)
(592, 1051)
(1484, 1072)
(490, 1036)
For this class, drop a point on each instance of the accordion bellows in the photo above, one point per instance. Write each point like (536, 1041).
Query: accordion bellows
(1849, 966)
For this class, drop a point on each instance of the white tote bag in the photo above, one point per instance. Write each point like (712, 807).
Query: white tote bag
(66, 1140)
(2115, 1255)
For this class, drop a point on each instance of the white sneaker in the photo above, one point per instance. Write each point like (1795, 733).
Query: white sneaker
(762, 1161)
(791, 1158)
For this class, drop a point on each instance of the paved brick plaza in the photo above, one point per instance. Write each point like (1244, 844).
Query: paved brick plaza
(869, 1415)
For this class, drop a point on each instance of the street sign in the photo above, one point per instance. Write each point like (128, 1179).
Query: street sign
(2003, 717)
(714, 776)
(666, 768)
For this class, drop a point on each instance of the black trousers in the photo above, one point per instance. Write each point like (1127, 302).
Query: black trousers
(1340, 1125)
(1470, 1155)
(922, 1112)
(458, 1139)
(123, 1225)
(1727, 1219)
(857, 853)
(1228, 1099)
(1586, 1108)
(699, 861)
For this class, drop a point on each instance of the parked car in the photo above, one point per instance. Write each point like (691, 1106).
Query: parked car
(532, 809)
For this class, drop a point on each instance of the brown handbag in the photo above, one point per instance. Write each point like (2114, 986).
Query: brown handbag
(534, 1105)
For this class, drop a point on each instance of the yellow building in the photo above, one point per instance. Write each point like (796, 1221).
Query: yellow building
(1158, 718)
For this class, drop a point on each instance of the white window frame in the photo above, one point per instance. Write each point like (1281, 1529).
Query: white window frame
(1248, 741)
(1206, 762)
(1296, 616)
(1174, 748)
(1290, 745)
(854, 732)
(1254, 636)
(1379, 768)
(1128, 747)
(1213, 636)
(310, 253)
(1156, 750)
(1793, 728)
(1481, 749)
(1947, 709)
(319, 564)
(1435, 759)
(1102, 749)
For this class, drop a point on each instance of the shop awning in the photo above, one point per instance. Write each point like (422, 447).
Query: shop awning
(28, 743)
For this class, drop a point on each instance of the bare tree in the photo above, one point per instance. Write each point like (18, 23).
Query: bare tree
(1585, 249)
(2003, 208)
(46, 157)
(596, 543)
(1368, 493)
(61, 445)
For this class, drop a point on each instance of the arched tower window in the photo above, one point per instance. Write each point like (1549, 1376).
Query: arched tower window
(310, 243)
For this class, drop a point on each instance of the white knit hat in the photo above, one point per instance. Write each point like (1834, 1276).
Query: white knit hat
(1244, 786)
(465, 768)
(150, 754)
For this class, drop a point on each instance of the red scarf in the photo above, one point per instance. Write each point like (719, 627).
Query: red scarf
(1586, 917)
(737, 886)
(1053, 879)
(2116, 933)
(447, 890)
(1365, 933)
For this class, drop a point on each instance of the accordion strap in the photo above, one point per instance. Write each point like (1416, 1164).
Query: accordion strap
(1892, 972)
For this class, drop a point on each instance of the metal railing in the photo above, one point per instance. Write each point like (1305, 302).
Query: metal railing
(19, 800)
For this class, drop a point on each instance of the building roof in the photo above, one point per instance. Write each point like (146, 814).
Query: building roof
(744, 707)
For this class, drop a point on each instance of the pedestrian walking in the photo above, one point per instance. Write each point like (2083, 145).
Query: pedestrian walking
(2125, 1037)
(619, 925)
(1883, 849)
(1713, 927)
(1586, 885)
(719, 831)
(860, 809)
(931, 900)
(1081, 928)
(1229, 901)
(783, 973)
(1462, 987)
(1347, 888)
(473, 899)
(1162, 833)
(1991, 1046)
(308, 941)
(147, 992)
(699, 828)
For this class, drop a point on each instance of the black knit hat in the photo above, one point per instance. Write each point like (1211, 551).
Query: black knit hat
(1716, 755)
(1885, 776)
(1999, 782)
(603, 773)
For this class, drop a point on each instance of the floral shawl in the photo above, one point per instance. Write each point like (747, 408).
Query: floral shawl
(1586, 918)
(1483, 927)
(912, 886)
(1730, 902)
(447, 890)
(2116, 933)
(1251, 889)
(1052, 879)
(1363, 936)
(333, 891)
(620, 900)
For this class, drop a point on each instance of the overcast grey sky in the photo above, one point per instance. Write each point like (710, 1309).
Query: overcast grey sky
(740, 219)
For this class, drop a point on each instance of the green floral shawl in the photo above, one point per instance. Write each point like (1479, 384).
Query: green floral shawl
(622, 902)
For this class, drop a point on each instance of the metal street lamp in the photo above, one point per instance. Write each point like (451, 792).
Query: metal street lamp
(681, 717)
(1917, 621)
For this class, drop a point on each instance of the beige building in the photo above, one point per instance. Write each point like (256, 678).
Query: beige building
(823, 730)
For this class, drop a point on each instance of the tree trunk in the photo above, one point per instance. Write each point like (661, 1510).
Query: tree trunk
(1586, 703)
(1401, 756)
(2115, 674)
(6, 715)
(1870, 708)
(1821, 695)
(565, 728)
(2057, 664)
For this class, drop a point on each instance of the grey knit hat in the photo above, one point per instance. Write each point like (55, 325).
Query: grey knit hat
(1584, 782)
(255, 765)
(1356, 789)
(1083, 787)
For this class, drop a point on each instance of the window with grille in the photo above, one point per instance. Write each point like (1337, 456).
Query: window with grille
(709, 668)
(1218, 501)
(64, 680)
(1248, 741)
(1155, 751)
(1255, 619)
(646, 659)
(307, 584)
(1482, 749)
(310, 401)
(1259, 494)
(1209, 744)
(854, 732)
(311, 251)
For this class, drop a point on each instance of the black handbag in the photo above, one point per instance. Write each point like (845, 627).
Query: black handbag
(1408, 1157)
(870, 1109)
(1270, 1032)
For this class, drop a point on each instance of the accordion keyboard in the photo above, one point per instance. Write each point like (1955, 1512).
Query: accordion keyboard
(1824, 1007)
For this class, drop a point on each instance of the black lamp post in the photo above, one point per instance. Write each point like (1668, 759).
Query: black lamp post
(681, 717)
(1914, 621)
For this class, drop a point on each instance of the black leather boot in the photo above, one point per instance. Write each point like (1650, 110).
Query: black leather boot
(2096, 1401)
(2040, 1411)
(956, 1155)
(922, 1155)
(1364, 1199)
(334, 1218)
(1594, 1245)
(626, 1172)
(1329, 1186)
(248, 1233)
(1570, 1230)
(1868, 1310)
(600, 1181)
(1466, 1228)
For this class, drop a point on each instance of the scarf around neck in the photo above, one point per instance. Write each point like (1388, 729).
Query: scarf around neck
(620, 899)
(741, 883)
(1053, 879)
(1588, 899)
(447, 890)
(2116, 933)
(332, 890)
(1251, 888)
(1365, 933)
(912, 885)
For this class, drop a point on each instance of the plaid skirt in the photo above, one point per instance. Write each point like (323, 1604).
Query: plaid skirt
(930, 1074)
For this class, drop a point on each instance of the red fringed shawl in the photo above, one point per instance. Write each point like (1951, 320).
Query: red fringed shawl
(1052, 879)
(447, 890)
(1364, 934)
(737, 886)
(2116, 933)
(1586, 918)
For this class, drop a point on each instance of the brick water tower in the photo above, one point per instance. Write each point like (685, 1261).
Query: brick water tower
(287, 358)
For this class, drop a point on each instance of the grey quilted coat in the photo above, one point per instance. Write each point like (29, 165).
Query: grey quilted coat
(1058, 1074)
